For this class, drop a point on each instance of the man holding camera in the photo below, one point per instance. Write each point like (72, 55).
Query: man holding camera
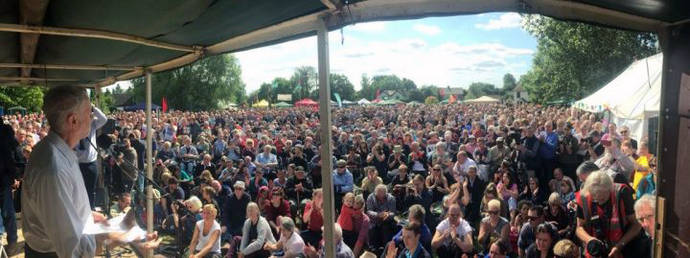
(606, 220)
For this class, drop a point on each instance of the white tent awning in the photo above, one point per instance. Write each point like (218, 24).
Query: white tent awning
(634, 94)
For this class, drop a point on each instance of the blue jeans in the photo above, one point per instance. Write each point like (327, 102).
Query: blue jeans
(89, 171)
(9, 219)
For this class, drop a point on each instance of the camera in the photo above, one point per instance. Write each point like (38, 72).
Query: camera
(181, 208)
(599, 247)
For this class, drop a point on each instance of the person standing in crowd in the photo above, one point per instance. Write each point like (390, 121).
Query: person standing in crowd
(87, 155)
(475, 187)
(615, 163)
(8, 177)
(548, 142)
(605, 217)
(53, 182)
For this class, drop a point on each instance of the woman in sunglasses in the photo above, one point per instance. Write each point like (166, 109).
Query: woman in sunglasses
(493, 227)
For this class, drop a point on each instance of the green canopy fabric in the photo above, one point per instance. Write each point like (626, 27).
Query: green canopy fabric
(130, 34)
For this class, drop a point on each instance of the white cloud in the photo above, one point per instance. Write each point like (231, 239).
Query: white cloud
(428, 30)
(505, 21)
(418, 59)
(369, 27)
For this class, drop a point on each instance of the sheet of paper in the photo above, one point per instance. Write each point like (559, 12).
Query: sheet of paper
(114, 225)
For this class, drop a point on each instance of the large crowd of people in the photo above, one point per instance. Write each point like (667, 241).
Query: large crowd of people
(459, 180)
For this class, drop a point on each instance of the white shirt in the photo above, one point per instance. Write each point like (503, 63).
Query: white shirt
(87, 153)
(461, 168)
(55, 204)
(292, 246)
(203, 239)
(463, 229)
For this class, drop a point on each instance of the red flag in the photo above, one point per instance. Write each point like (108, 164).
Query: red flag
(378, 93)
(164, 105)
(452, 99)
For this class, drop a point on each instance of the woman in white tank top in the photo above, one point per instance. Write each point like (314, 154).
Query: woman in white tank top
(206, 240)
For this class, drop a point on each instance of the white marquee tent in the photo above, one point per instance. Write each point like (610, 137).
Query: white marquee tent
(364, 101)
(632, 98)
(483, 99)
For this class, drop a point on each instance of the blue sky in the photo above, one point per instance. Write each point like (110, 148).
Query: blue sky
(442, 51)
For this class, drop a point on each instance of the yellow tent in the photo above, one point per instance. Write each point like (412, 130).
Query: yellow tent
(261, 104)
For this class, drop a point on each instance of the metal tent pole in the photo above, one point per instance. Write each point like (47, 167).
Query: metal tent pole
(326, 148)
(149, 160)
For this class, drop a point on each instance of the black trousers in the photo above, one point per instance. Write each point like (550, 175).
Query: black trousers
(31, 253)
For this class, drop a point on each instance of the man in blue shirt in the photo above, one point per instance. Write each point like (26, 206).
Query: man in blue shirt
(342, 181)
(267, 162)
(548, 142)
(411, 234)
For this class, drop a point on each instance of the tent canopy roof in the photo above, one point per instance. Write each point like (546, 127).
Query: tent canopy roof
(482, 99)
(634, 94)
(96, 43)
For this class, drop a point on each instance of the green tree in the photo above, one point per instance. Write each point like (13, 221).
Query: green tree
(478, 89)
(341, 85)
(366, 91)
(30, 97)
(305, 80)
(429, 90)
(575, 59)
(431, 100)
(509, 83)
(198, 86)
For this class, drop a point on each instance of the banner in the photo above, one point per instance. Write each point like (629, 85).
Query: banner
(284, 97)
(164, 105)
(337, 98)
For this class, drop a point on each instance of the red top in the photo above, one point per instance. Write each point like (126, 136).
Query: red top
(345, 218)
(315, 218)
(272, 213)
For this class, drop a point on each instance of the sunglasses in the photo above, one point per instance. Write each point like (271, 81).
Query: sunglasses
(531, 218)
(493, 212)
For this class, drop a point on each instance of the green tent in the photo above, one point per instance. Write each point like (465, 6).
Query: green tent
(282, 104)
(16, 109)
(413, 103)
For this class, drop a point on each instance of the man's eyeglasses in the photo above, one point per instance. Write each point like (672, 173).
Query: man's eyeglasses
(643, 219)
(533, 218)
